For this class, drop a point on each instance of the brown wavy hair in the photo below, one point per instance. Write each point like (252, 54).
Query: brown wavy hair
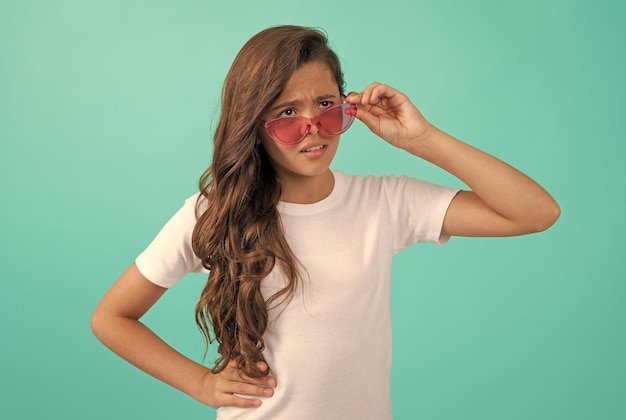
(239, 237)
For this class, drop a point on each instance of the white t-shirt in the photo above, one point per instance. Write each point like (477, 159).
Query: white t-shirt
(330, 346)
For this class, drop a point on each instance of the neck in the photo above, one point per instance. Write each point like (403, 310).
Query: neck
(306, 189)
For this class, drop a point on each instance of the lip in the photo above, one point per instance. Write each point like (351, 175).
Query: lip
(310, 145)
(314, 154)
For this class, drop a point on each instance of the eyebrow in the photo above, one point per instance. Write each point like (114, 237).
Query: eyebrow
(298, 102)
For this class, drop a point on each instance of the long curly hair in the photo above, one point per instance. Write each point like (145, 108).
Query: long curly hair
(239, 236)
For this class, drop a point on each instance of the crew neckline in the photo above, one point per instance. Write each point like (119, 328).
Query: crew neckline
(319, 206)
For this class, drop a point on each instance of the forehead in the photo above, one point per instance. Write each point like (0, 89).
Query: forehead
(311, 79)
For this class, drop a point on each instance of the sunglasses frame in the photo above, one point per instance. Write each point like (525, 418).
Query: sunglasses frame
(310, 123)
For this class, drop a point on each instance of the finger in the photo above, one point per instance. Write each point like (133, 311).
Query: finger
(236, 374)
(367, 96)
(268, 380)
(353, 97)
(378, 94)
(389, 95)
(243, 388)
(235, 401)
(361, 97)
(235, 364)
(233, 373)
(262, 366)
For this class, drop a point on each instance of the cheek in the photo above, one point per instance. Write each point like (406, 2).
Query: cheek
(275, 152)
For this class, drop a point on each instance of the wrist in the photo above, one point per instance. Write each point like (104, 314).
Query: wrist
(419, 144)
(200, 388)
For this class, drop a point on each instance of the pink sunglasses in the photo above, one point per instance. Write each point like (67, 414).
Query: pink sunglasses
(292, 130)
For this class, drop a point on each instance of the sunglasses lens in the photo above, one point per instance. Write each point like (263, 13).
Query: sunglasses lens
(288, 130)
(336, 120)
(293, 130)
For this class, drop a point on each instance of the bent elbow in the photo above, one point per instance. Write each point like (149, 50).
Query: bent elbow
(98, 324)
(548, 217)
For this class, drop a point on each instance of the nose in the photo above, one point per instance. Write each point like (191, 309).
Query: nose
(315, 124)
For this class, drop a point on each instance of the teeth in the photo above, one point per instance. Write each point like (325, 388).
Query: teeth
(312, 149)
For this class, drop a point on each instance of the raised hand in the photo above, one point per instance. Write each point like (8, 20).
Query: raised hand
(390, 114)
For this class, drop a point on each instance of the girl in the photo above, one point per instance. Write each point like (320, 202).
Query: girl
(298, 256)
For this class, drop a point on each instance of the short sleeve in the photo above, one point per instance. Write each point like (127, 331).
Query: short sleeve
(170, 255)
(418, 210)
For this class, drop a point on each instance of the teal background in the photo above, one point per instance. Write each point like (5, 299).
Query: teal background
(106, 112)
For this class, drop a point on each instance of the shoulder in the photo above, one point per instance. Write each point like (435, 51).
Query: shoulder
(193, 206)
(377, 183)
(196, 200)
(393, 188)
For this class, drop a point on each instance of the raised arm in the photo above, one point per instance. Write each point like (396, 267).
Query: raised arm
(116, 324)
(502, 200)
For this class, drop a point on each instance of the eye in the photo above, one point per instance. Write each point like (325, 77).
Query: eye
(289, 112)
(326, 104)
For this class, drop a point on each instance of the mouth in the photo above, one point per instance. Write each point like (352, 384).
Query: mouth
(313, 148)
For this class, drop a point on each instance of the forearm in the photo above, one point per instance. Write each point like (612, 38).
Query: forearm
(502, 188)
(137, 344)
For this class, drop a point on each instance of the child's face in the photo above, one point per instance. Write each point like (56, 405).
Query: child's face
(310, 90)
